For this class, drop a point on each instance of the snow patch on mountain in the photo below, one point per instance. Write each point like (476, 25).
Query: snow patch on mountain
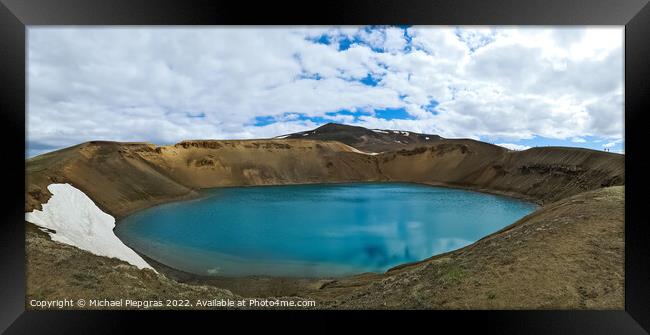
(72, 218)
(353, 149)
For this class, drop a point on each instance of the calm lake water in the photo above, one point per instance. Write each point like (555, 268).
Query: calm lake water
(315, 230)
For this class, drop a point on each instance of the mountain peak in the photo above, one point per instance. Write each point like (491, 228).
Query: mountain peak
(338, 126)
(364, 139)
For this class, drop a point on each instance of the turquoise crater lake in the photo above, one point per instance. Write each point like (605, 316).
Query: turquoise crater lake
(321, 230)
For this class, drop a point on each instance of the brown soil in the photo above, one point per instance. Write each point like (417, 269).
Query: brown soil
(125, 177)
(59, 271)
(568, 254)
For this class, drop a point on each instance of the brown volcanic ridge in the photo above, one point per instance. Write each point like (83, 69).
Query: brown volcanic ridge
(375, 140)
(567, 254)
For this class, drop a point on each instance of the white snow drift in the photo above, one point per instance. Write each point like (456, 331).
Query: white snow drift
(353, 149)
(77, 221)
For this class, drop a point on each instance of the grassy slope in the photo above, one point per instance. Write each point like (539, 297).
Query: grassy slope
(122, 178)
(569, 254)
(59, 271)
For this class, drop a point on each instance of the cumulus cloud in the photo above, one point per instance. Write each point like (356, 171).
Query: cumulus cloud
(611, 144)
(512, 146)
(164, 85)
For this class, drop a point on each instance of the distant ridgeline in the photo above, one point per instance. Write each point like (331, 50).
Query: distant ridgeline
(124, 177)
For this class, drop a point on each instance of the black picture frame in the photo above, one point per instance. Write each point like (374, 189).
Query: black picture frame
(16, 15)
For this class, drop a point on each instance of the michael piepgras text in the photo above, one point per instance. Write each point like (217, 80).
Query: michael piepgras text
(170, 303)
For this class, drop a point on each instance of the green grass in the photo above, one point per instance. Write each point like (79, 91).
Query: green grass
(451, 274)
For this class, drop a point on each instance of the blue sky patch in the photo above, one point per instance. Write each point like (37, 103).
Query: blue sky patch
(393, 113)
(384, 113)
(369, 80)
(345, 43)
(408, 38)
(590, 142)
(322, 39)
(431, 107)
(261, 121)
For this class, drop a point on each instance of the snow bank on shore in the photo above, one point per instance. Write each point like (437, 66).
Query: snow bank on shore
(77, 221)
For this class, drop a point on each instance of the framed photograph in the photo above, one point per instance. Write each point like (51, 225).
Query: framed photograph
(464, 164)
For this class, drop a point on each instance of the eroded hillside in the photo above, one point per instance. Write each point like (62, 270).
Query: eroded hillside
(124, 177)
(568, 254)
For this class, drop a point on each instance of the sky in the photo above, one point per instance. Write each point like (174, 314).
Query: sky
(518, 87)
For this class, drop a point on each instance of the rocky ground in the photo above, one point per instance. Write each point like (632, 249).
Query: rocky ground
(59, 271)
(567, 254)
